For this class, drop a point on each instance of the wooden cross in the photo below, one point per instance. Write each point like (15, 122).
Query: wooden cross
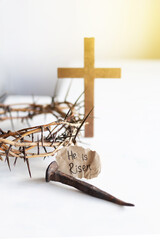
(89, 73)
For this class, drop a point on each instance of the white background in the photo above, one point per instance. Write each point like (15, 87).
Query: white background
(37, 36)
(127, 137)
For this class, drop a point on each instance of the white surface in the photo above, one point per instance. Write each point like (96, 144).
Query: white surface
(127, 137)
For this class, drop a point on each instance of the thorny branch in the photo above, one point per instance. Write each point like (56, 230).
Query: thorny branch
(26, 111)
(23, 143)
(39, 141)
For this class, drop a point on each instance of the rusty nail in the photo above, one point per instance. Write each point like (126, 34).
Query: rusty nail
(53, 174)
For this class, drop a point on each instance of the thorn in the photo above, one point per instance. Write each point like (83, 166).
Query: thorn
(3, 96)
(1, 131)
(7, 158)
(49, 130)
(15, 161)
(10, 114)
(45, 149)
(32, 137)
(38, 145)
(26, 159)
(74, 139)
(42, 135)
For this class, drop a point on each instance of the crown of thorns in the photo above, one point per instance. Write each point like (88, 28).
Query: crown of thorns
(44, 140)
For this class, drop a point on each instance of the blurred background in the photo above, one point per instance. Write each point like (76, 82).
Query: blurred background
(37, 36)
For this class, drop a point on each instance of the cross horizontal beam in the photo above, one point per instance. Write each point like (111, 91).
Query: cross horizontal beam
(107, 72)
(89, 73)
(71, 72)
(82, 72)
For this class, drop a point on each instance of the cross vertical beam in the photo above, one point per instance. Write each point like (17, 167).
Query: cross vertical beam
(89, 84)
(89, 73)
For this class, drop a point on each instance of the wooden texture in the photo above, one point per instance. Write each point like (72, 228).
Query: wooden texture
(89, 73)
